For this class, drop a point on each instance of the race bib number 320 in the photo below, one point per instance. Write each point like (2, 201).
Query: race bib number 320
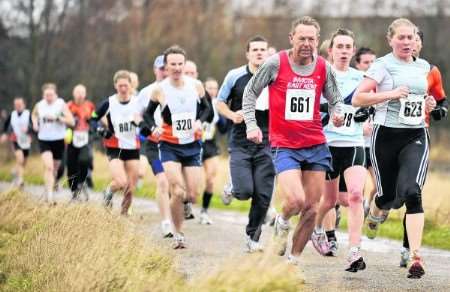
(299, 104)
(183, 125)
(412, 110)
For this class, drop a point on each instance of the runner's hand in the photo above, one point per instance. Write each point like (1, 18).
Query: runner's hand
(336, 116)
(238, 117)
(399, 92)
(430, 103)
(255, 136)
(157, 131)
(137, 119)
(367, 128)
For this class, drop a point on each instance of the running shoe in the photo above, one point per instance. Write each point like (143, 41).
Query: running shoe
(373, 223)
(179, 241)
(320, 241)
(404, 257)
(355, 261)
(416, 268)
(281, 232)
(188, 215)
(166, 229)
(107, 198)
(332, 249)
(75, 196)
(204, 218)
(270, 216)
(227, 195)
(253, 246)
(293, 260)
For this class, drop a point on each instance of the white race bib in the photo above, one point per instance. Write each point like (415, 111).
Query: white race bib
(348, 127)
(412, 110)
(183, 125)
(80, 138)
(300, 104)
(24, 141)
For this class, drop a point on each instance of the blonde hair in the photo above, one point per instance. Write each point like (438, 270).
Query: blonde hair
(134, 80)
(397, 23)
(121, 74)
(323, 49)
(49, 85)
(305, 20)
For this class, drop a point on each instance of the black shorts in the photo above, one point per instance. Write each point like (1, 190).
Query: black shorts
(342, 184)
(368, 162)
(343, 158)
(210, 149)
(55, 147)
(122, 154)
(25, 152)
(400, 164)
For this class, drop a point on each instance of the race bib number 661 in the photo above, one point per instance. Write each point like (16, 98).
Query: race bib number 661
(299, 104)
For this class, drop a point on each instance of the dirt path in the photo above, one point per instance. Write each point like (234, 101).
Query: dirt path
(210, 246)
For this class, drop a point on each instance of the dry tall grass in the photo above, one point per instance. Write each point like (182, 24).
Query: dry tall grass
(85, 248)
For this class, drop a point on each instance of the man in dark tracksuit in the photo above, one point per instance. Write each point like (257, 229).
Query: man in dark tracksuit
(251, 167)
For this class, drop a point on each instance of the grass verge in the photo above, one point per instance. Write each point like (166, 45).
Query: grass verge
(85, 248)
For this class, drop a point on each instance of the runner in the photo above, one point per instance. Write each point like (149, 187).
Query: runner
(400, 144)
(150, 152)
(78, 145)
(180, 98)
(210, 149)
(296, 80)
(436, 90)
(348, 157)
(18, 126)
(251, 167)
(50, 117)
(364, 58)
(123, 114)
(190, 69)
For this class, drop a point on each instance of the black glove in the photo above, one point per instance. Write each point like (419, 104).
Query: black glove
(361, 115)
(103, 132)
(439, 113)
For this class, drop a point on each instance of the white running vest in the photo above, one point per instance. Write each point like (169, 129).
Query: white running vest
(182, 103)
(50, 129)
(20, 125)
(122, 116)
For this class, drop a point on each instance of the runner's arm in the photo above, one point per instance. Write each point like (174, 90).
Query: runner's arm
(266, 74)
(6, 124)
(330, 90)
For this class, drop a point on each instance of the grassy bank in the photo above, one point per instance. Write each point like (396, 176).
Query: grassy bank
(85, 248)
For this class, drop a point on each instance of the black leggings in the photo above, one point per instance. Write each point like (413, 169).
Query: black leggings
(78, 160)
(400, 161)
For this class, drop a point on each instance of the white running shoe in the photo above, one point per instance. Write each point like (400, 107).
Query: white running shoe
(320, 241)
(227, 195)
(188, 215)
(204, 218)
(166, 229)
(253, 246)
(355, 261)
(281, 232)
(178, 241)
(333, 248)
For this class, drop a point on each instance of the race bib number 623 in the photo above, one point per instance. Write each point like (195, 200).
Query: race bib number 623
(299, 104)
(412, 110)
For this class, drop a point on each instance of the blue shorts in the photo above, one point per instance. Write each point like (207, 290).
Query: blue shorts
(150, 150)
(186, 154)
(317, 157)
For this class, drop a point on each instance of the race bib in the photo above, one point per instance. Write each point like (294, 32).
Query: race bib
(412, 110)
(183, 125)
(80, 138)
(299, 104)
(348, 127)
(24, 141)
